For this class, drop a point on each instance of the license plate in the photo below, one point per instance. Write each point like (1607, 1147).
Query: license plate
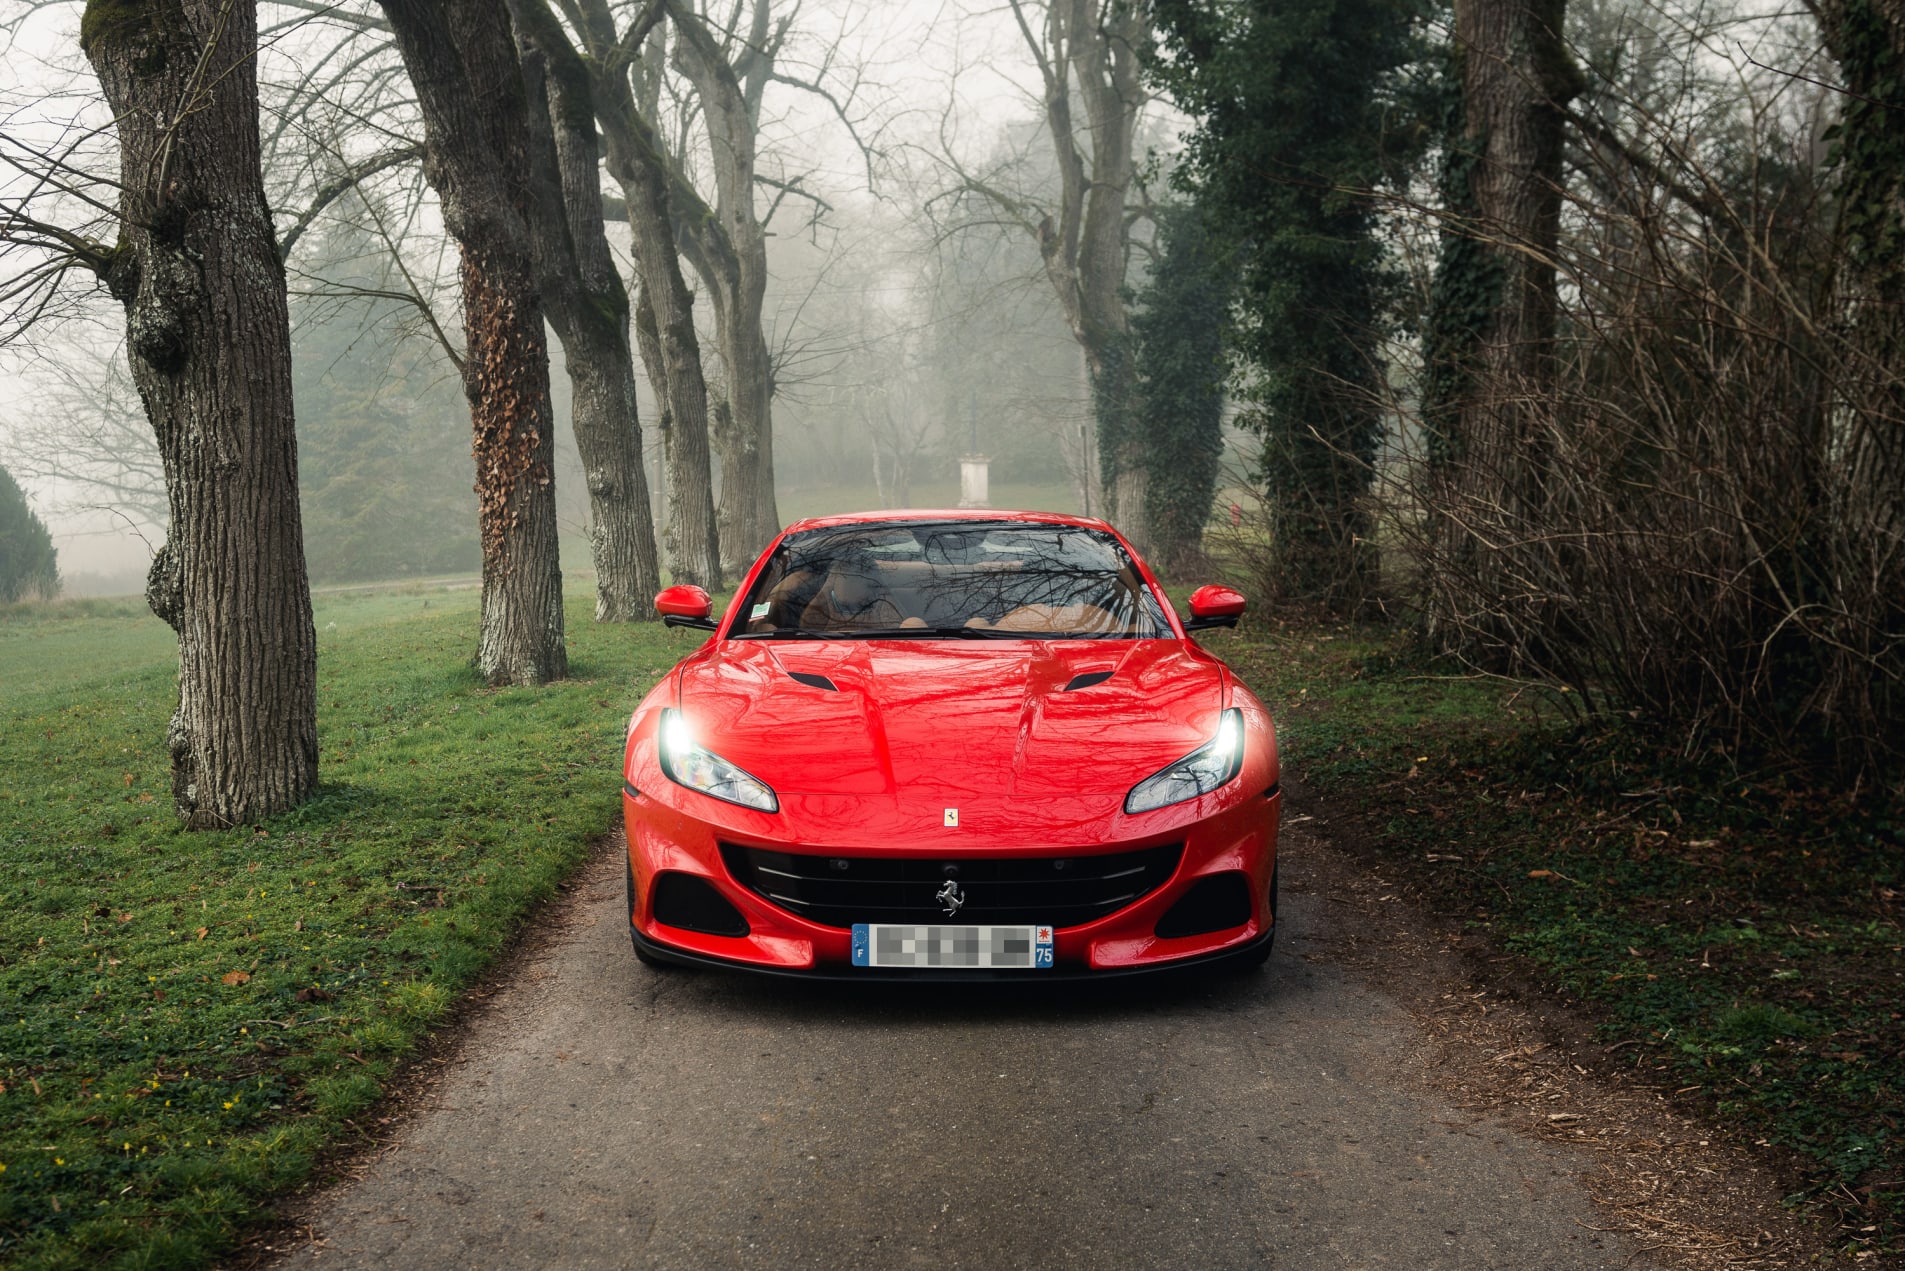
(976, 948)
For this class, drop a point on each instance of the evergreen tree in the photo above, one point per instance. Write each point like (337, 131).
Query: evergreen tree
(384, 467)
(28, 564)
(1295, 128)
(1179, 336)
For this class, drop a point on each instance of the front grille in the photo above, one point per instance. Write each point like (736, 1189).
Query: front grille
(1063, 891)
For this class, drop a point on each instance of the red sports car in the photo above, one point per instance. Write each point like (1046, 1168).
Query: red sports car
(956, 744)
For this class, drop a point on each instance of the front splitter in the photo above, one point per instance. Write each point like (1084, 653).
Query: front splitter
(1251, 953)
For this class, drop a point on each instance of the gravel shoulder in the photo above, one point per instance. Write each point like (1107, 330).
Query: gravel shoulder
(1363, 1102)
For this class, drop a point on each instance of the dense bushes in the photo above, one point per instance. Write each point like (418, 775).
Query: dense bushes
(1704, 527)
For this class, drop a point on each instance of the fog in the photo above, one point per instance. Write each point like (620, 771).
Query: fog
(910, 320)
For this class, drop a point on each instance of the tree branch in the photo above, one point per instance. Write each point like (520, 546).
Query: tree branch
(329, 192)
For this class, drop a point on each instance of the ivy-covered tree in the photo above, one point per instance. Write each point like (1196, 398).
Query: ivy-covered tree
(29, 566)
(1297, 124)
(1178, 334)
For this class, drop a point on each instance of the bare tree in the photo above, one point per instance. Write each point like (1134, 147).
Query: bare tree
(1089, 59)
(665, 329)
(727, 244)
(196, 268)
(589, 306)
(84, 430)
(343, 124)
(463, 63)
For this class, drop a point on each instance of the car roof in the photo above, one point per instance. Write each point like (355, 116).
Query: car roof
(986, 515)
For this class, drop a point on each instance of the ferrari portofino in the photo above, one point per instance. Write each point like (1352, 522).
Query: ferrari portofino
(958, 744)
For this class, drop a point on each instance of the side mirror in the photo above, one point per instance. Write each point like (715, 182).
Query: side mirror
(1215, 606)
(685, 605)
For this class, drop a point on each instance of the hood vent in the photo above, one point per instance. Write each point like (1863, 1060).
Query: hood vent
(1086, 680)
(813, 681)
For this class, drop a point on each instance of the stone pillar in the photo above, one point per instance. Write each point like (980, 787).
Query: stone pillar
(972, 481)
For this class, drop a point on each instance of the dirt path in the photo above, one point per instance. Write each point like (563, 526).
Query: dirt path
(601, 1114)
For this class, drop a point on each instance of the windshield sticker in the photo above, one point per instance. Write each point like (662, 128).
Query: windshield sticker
(759, 611)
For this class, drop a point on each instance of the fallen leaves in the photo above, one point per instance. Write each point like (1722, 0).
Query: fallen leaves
(235, 977)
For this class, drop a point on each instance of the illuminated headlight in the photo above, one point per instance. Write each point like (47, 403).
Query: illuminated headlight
(1200, 772)
(688, 764)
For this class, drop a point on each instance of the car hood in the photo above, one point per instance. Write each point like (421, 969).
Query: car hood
(952, 723)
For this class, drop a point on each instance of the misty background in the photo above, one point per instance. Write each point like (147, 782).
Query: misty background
(909, 324)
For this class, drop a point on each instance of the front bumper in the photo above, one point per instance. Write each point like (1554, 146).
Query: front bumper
(1249, 953)
(1239, 838)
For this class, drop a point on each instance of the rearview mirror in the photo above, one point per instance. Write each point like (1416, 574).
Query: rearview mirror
(685, 605)
(1215, 606)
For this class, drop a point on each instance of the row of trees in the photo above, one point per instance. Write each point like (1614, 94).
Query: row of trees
(1593, 319)
(511, 112)
(511, 105)
(1533, 298)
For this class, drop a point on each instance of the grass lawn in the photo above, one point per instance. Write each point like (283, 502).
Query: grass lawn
(1740, 938)
(186, 1019)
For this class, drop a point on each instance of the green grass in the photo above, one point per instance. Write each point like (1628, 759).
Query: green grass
(186, 1020)
(1738, 937)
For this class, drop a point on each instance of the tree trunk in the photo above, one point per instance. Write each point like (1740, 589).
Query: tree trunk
(209, 342)
(665, 328)
(463, 64)
(1492, 390)
(1867, 520)
(588, 306)
(732, 261)
(747, 479)
(1084, 249)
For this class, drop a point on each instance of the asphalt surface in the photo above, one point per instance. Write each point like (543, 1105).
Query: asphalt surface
(602, 1114)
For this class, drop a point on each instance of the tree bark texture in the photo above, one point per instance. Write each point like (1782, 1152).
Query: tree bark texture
(665, 328)
(1867, 527)
(1096, 49)
(463, 63)
(1494, 334)
(732, 260)
(588, 306)
(208, 338)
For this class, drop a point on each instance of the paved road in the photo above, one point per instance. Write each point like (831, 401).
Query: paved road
(606, 1115)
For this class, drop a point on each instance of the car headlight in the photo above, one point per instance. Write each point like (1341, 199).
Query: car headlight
(1200, 772)
(686, 763)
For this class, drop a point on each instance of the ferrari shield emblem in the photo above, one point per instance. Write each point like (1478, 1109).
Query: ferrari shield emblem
(952, 816)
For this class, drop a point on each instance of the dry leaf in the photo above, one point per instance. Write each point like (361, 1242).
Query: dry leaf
(236, 977)
(1541, 873)
(203, 932)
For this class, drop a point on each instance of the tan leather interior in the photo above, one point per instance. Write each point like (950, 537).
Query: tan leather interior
(1069, 619)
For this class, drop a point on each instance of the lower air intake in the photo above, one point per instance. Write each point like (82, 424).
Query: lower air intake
(1216, 903)
(692, 904)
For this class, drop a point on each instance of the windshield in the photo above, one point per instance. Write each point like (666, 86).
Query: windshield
(964, 579)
